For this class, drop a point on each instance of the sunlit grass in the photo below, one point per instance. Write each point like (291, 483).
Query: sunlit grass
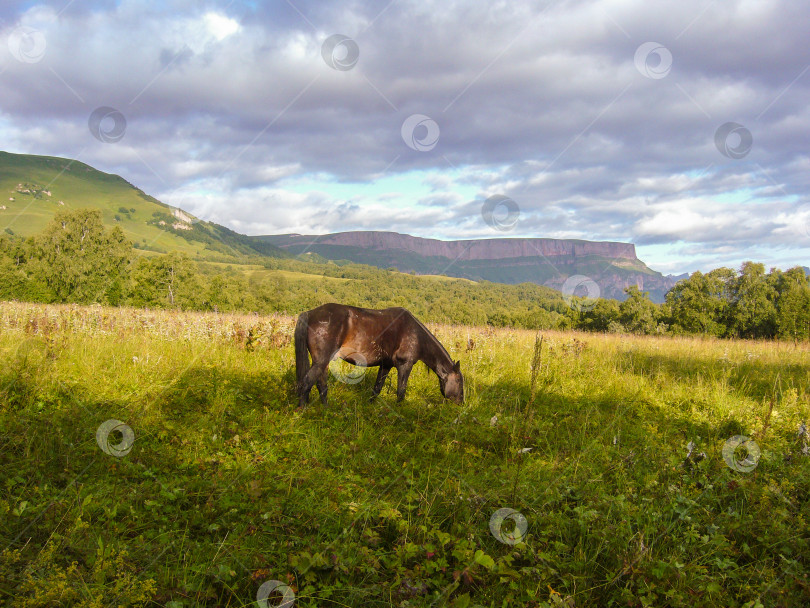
(380, 504)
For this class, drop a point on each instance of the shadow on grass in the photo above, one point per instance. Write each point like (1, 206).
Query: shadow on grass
(753, 379)
(337, 484)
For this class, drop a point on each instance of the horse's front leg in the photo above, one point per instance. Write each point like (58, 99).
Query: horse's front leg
(381, 376)
(403, 371)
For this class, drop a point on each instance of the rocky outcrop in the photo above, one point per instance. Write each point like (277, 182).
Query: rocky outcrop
(474, 249)
(612, 266)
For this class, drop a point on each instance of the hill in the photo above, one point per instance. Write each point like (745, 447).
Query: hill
(33, 188)
(612, 266)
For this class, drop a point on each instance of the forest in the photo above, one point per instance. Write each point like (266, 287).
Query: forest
(77, 259)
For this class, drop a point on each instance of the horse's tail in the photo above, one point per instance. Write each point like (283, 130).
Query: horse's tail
(301, 354)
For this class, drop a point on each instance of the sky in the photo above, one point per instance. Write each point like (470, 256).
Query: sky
(682, 127)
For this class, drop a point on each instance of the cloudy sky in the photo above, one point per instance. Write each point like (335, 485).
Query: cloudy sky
(682, 127)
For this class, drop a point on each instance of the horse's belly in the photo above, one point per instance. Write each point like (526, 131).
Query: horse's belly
(359, 355)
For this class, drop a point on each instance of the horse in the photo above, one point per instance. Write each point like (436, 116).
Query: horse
(387, 338)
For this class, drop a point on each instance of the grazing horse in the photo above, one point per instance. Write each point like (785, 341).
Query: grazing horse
(392, 337)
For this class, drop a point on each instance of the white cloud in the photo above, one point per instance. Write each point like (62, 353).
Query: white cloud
(220, 26)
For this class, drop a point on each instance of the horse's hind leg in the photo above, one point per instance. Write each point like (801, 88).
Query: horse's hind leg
(315, 374)
(381, 376)
(303, 395)
(322, 387)
(303, 391)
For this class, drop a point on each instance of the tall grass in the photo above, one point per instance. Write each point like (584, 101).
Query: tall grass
(226, 487)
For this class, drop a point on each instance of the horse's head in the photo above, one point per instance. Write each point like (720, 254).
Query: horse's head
(452, 385)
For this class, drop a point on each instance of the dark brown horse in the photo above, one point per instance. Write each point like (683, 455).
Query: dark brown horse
(392, 337)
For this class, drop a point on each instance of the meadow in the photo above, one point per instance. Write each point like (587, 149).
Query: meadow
(582, 470)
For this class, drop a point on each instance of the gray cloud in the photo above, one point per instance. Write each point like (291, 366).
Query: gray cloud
(539, 101)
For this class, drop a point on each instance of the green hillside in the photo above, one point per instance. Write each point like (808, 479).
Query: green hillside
(33, 188)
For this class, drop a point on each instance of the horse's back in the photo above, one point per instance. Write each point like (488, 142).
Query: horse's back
(375, 334)
(340, 312)
(327, 309)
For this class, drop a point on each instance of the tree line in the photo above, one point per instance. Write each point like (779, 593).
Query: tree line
(77, 259)
(725, 303)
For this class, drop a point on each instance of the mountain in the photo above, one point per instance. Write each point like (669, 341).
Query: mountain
(612, 266)
(34, 188)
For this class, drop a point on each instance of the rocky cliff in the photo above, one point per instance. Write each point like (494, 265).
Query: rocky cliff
(612, 266)
(475, 249)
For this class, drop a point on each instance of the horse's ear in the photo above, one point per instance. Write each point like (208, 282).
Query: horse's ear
(457, 366)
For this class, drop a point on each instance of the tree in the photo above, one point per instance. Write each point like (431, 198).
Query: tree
(79, 260)
(752, 313)
(168, 281)
(227, 292)
(638, 313)
(13, 278)
(792, 303)
(599, 317)
(698, 304)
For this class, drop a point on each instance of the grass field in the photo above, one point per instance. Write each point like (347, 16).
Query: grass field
(610, 448)
(443, 278)
(255, 271)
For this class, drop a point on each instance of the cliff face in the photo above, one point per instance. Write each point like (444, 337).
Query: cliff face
(612, 266)
(475, 249)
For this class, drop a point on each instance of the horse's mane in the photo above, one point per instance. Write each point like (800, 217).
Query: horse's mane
(432, 337)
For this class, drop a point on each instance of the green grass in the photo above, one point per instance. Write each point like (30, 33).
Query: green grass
(291, 275)
(257, 271)
(385, 504)
(440, 277)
